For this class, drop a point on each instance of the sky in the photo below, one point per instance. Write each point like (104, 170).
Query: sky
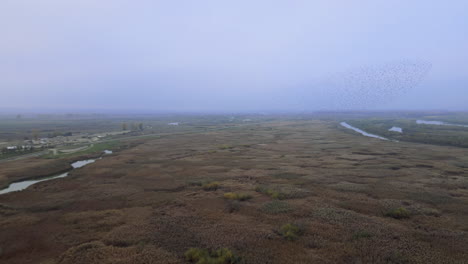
(233, 56)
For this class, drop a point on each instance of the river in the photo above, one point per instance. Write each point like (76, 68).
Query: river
(18, 186)
(362, 132)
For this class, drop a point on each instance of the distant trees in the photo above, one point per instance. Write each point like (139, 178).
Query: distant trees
(133, 126)
(16, 149)
(59, 133)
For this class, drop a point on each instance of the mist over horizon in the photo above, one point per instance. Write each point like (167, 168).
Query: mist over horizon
(233, 132)
(216, 57)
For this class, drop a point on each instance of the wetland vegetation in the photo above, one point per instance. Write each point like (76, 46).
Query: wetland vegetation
(216, 189)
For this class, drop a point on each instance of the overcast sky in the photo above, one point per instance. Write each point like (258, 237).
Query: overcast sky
(238, 55)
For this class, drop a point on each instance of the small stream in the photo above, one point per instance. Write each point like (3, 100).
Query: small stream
(18, 186)
(362, 132)
(437, 123)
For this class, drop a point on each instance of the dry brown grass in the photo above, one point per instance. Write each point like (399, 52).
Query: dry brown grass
(139, 205)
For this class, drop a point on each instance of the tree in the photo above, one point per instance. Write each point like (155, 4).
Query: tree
(18, 116)
(124, 126)
(140, 126)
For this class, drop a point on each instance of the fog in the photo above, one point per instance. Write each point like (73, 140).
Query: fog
(208, 56)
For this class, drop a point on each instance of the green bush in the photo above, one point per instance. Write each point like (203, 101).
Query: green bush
(276, 207)
(203, 256)
(291, 231)
(212, 186)
(361, 234)
(270, 192)
(282, 192)
(237, 196)
(196, 254)
(398, 213)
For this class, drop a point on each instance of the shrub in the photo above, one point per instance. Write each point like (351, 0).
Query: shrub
(270, 192)
(195, 183)
(287, 175)
(196, 254)
(361, 234)
(291, 231)
(398, 213)
(431, 212)
(212, 186)
(225, 147)
(232, 206)
(283, 192)
(237, 196)
(276, 207)
(203, 256)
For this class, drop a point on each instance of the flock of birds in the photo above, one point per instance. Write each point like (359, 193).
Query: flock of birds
(370, 86)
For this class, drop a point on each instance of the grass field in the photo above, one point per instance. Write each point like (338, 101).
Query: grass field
(277, 190)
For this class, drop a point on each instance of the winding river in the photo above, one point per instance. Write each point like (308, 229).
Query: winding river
(18, 186)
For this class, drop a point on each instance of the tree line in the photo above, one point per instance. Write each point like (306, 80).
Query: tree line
(132, 126)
